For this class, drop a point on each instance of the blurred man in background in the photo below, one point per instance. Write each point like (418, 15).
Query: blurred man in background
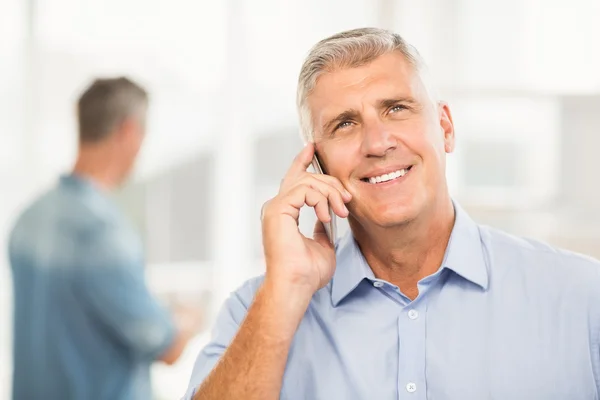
(85, 324)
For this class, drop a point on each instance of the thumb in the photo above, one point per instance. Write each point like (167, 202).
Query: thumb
(302, 161)
(320, 235)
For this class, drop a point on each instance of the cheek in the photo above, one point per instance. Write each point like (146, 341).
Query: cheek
(419, 143)
(137, 144)
(430, 143)
(340, 157)
(339, 166)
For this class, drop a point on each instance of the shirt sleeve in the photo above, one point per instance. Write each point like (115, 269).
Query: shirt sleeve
(111, 285)
(228, 321)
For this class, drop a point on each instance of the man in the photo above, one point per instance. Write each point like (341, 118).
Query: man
(86, 326)
(417, 301)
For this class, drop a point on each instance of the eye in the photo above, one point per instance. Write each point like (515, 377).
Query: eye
(397, 107)
(342, 125)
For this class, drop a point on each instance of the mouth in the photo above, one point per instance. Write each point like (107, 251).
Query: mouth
(388, 177)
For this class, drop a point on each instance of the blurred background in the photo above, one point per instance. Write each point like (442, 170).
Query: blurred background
(521, 77)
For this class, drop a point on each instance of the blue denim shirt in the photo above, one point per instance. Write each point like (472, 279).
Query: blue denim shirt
(503, 318)
(85, 325)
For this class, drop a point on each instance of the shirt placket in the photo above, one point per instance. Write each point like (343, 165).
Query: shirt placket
(411, 351)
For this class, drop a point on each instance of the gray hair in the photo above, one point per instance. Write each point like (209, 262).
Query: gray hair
(106, 104)
(347, 49)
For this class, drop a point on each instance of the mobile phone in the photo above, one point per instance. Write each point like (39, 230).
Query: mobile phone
(331, 226)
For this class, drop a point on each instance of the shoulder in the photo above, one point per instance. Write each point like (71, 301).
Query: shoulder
(507, 251)
(235, 307)
(33, 221)
(62, 211)
(67, 228)
(245, 293)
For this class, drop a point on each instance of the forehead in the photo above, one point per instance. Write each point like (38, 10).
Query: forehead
(387, 75)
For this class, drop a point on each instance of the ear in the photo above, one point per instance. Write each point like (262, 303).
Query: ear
(447, 126)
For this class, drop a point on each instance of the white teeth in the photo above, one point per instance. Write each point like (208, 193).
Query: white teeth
(388, 177)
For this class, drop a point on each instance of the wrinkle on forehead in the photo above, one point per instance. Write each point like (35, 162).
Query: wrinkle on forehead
(360, 82)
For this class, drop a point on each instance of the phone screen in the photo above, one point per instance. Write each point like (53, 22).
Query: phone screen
(331, 227)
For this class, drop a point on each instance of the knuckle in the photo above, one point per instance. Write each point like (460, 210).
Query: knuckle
(274, 204)
(310, 179)
(267, 208)
(290, 190)
(265, 205)
(300, 188)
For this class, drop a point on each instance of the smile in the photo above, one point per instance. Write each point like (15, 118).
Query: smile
(387, 177)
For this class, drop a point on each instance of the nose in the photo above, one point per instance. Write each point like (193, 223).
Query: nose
(377, 139)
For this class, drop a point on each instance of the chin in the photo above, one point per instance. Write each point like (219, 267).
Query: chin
(392, 215)
(393, 220)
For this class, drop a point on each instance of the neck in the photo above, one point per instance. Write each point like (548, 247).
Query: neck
(405, 254)
(96, 164)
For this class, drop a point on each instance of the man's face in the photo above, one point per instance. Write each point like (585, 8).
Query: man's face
(378, 131)
(131, 136)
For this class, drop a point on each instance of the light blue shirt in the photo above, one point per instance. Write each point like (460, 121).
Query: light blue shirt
(85, 325)
(504, 318)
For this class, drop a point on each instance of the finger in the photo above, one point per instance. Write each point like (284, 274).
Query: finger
(335, 182)
(305, 195)
(262, 209)
(318, 201)
(301, 162)
(320, 235)
(334, 197)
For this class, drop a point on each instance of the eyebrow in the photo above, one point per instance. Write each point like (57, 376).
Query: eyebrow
(348, 114)
(385, 103)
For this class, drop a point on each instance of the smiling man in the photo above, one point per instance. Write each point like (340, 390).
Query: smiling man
(417, 301)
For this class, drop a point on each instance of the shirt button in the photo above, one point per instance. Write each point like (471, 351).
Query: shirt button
(413, 314)
(378, 284)
(411, 387)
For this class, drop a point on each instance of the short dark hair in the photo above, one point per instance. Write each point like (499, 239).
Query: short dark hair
(105, 104)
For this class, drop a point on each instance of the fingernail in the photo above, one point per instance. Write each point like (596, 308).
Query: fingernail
(347, 193)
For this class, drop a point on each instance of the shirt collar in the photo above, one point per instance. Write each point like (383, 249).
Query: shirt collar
(464, 255)
(351, 268)
(76, 181)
